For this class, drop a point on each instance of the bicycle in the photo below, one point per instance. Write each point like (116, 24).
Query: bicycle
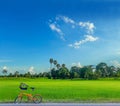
(34, 98)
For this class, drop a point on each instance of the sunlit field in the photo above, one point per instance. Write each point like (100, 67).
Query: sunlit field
(63, 90)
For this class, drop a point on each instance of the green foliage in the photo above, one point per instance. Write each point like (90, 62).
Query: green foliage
(74, 72)
(54, 73)
(63, 73)
(103, 69)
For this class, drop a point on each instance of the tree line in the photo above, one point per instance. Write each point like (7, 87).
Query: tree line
(101, 70)
(60, 71)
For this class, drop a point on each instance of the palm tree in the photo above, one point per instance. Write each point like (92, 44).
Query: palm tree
(55, 62)
(51, 61)
(63, 65)
(58, 66)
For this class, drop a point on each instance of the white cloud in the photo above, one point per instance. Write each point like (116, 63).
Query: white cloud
(31, 70)
(88, 38)
(87, 29)
(55, 28)
(67, 20)
(89, 26)
(58, 30)
(115, 63)
(5, 68)
(77, 64)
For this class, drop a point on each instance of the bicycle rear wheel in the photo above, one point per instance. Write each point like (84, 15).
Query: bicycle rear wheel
(37, 98)
(18, 99)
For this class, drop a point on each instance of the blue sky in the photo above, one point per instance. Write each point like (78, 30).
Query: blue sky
(71, 31)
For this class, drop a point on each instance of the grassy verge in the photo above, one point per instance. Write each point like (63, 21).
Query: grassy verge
(63, 90)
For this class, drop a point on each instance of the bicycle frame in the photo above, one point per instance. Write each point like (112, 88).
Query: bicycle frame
(22, 94)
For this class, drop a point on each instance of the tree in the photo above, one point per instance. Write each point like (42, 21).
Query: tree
(58, 66)
(103, 69)
(98, 73)
(48, 75)
(64, 73)
(5, 71)
(40, 74)
(63, 65)
(88, 73)
(16, 74)
(117, 73)
(55, 63)
(111, 71)
(82, 72)
(53, 73)
(27, 74)
(21, 75)
(74, 72)
(51, 62)
(10, 75)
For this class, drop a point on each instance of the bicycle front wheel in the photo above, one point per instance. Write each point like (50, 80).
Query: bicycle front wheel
(18, 99)
(37, 98)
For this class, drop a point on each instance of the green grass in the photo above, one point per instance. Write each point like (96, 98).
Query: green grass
(63, 90)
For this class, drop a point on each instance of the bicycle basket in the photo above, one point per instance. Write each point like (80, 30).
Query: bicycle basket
(23, 86)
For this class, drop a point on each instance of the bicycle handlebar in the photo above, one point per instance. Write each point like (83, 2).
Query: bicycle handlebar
(32, 88)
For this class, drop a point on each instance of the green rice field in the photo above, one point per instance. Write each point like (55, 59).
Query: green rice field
(63, 90)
